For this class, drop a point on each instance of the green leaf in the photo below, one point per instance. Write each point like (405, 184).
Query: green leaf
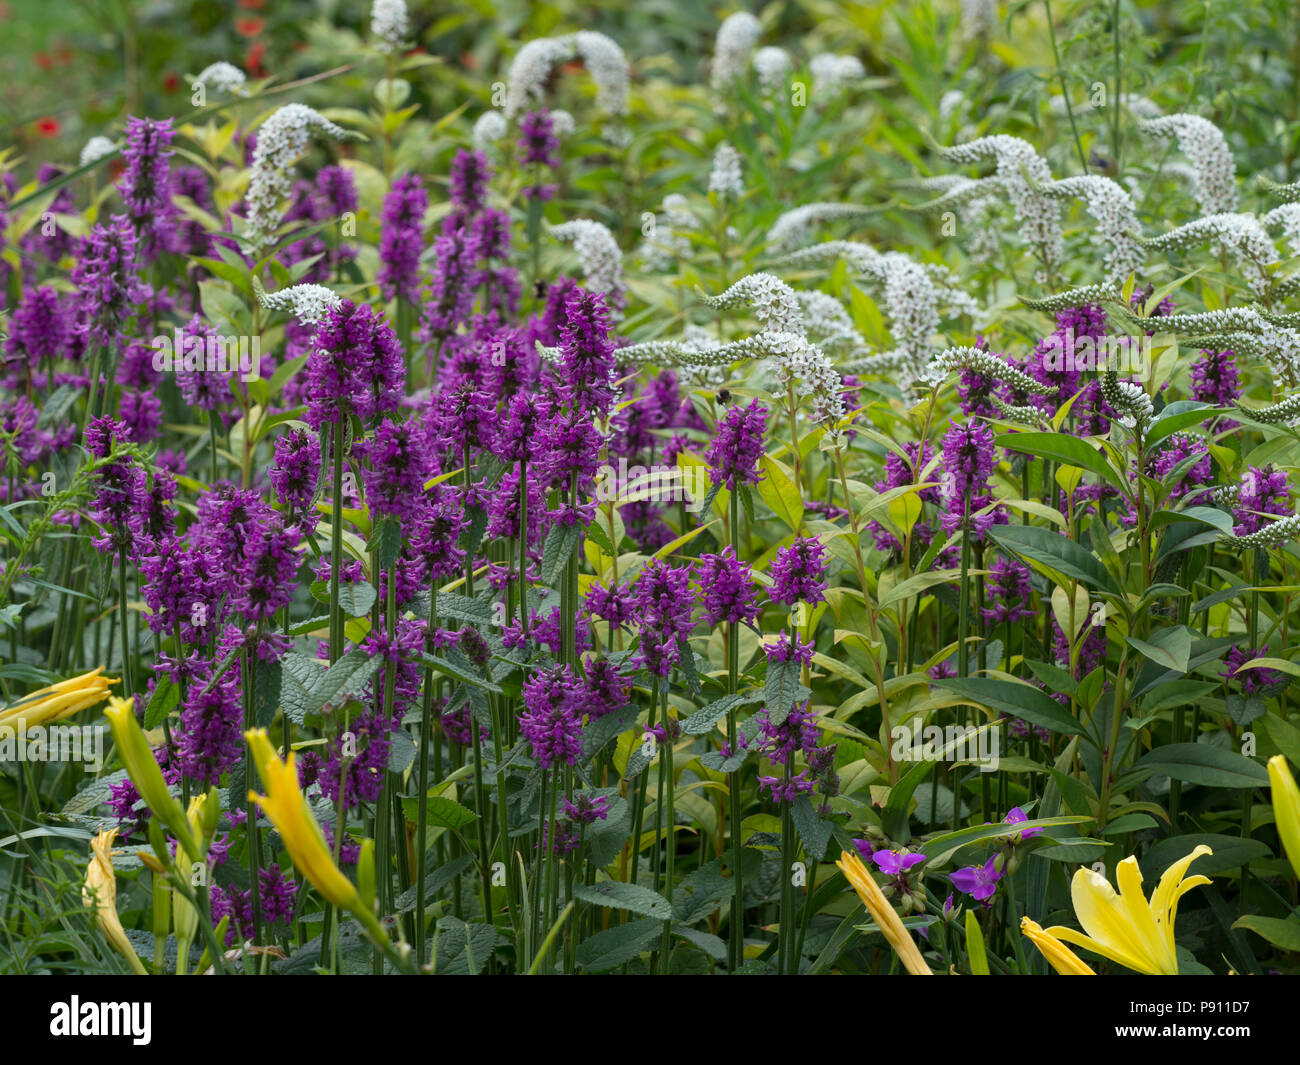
(344, 679)
(611, 948)
(636, 898)
(1199, 763)
(164, 699)
(1281, 933)
(1051, 553)
(780, 493)
(1171, 648)
(781, 689)
(813, 831)
(1230, 852)
(449, 669)
(979, 959)
(919, 583)
(1061, 447)
(1013, 697)
(1177, 416)
(356, 598)
(1211, 516)
(703, 720)
(941, 848)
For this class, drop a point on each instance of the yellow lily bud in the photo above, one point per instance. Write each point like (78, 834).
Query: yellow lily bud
(1058, 955)
(143, 770)
(152, 863)
(286, 808)
(99, 892)
(366, 874)
(883, 914)
(1125, 927)
(1286, 808)
(57, 701)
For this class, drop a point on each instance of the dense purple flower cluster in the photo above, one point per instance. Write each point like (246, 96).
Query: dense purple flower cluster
(736, 448)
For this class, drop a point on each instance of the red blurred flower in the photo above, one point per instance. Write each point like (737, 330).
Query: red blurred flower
(171, 81)
(44, 61)
(249, 25)
(253, 60)
(252, 5)
(63, 56)
(48, 126)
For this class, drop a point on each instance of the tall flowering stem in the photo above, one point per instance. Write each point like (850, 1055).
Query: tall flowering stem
(736, 931)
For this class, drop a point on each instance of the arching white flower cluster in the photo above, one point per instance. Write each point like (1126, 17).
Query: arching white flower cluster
(1239, 234)
(489, 128)
(599, 255)
(736, 39)
(96, 148)
(562, 124)
(1116, 216)
(223, 76)
(307, 303)
(388, 24)
(726, 178)
(912, 294)
(1038, 213)
(773, 66)
(532, 65)
(978, 18)
(1285, 217)
(829, 325)
(1206, 149)
(774, 302)
(1129, 400)
(832, 73)
(281, 142)
(793, 229)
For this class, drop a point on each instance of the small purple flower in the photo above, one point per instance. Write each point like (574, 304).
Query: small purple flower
(896, 862)
(1016, 816)
(979, 881)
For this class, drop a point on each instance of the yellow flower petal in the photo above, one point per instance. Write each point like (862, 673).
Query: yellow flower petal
(883, 913)
(1158, 947)
(287, 809)
(99, 892)
(1286, 808)
(1058, 955)
(1101, 912)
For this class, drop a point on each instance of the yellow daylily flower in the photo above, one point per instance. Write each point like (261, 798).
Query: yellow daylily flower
(55, 702)
(287, 809)
(1059, 956)
(1286, 808)
(99, 892)
(1125, 927)
(142, 767)
(883, 913)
